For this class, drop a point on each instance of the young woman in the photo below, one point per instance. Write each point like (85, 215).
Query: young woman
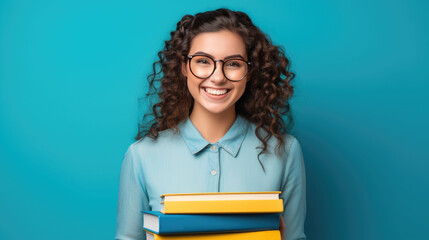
(217, 126)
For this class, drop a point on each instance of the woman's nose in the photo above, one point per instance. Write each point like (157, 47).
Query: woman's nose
(218, 75)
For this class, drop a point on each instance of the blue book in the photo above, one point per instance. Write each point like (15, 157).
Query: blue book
(159, 223)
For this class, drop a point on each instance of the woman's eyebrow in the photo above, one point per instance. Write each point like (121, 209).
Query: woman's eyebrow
(228, 57)
(234, 56)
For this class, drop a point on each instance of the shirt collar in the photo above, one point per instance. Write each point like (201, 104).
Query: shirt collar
(230, 142)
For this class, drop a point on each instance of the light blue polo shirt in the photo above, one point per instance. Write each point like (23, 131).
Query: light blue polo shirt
(184, 162)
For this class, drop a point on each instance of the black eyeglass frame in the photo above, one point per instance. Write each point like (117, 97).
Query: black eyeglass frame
(215, 66)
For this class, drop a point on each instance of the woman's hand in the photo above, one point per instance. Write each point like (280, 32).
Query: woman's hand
(282, 227)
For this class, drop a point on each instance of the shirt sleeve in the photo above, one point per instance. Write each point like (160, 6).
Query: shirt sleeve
(294, 193)
(132, 199)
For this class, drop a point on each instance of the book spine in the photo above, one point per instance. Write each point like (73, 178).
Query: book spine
(171, 224)
(259, 235)
(225, 207)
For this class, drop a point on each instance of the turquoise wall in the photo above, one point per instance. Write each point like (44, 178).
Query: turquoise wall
(71, 73)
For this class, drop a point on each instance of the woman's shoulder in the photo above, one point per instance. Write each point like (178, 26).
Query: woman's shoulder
(290, 141)
(147, 143)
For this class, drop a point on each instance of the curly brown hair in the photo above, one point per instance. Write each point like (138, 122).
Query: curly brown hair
(266, 97)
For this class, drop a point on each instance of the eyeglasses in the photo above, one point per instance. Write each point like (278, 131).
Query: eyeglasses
(203, 67)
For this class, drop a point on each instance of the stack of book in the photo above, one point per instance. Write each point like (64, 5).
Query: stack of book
(209, 216)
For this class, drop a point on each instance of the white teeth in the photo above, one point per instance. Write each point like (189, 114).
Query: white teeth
(215, 91)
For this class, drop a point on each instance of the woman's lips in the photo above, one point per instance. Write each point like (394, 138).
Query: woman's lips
(216, 93)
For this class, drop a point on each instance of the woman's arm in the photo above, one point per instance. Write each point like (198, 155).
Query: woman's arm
(132, 199)
(293, 194)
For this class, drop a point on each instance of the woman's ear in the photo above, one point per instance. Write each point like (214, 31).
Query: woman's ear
(184, 70)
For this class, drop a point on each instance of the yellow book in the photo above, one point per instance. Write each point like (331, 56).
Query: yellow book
(221, 196)
(222, 203)
(260, 235)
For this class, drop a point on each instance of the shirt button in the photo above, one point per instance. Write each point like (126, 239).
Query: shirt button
(213, 148)
(213, 172)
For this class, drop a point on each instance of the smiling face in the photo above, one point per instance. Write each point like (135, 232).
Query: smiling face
(216, 94)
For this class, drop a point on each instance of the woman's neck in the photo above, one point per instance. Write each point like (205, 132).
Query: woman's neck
(212, 126)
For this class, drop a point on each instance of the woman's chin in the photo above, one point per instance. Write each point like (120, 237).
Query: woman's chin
(217, 108)
(217, 111)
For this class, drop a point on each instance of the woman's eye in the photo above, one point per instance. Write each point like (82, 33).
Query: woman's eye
(235, 64)
(203, 61)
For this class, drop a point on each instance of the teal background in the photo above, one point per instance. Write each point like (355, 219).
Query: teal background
(71, 73)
